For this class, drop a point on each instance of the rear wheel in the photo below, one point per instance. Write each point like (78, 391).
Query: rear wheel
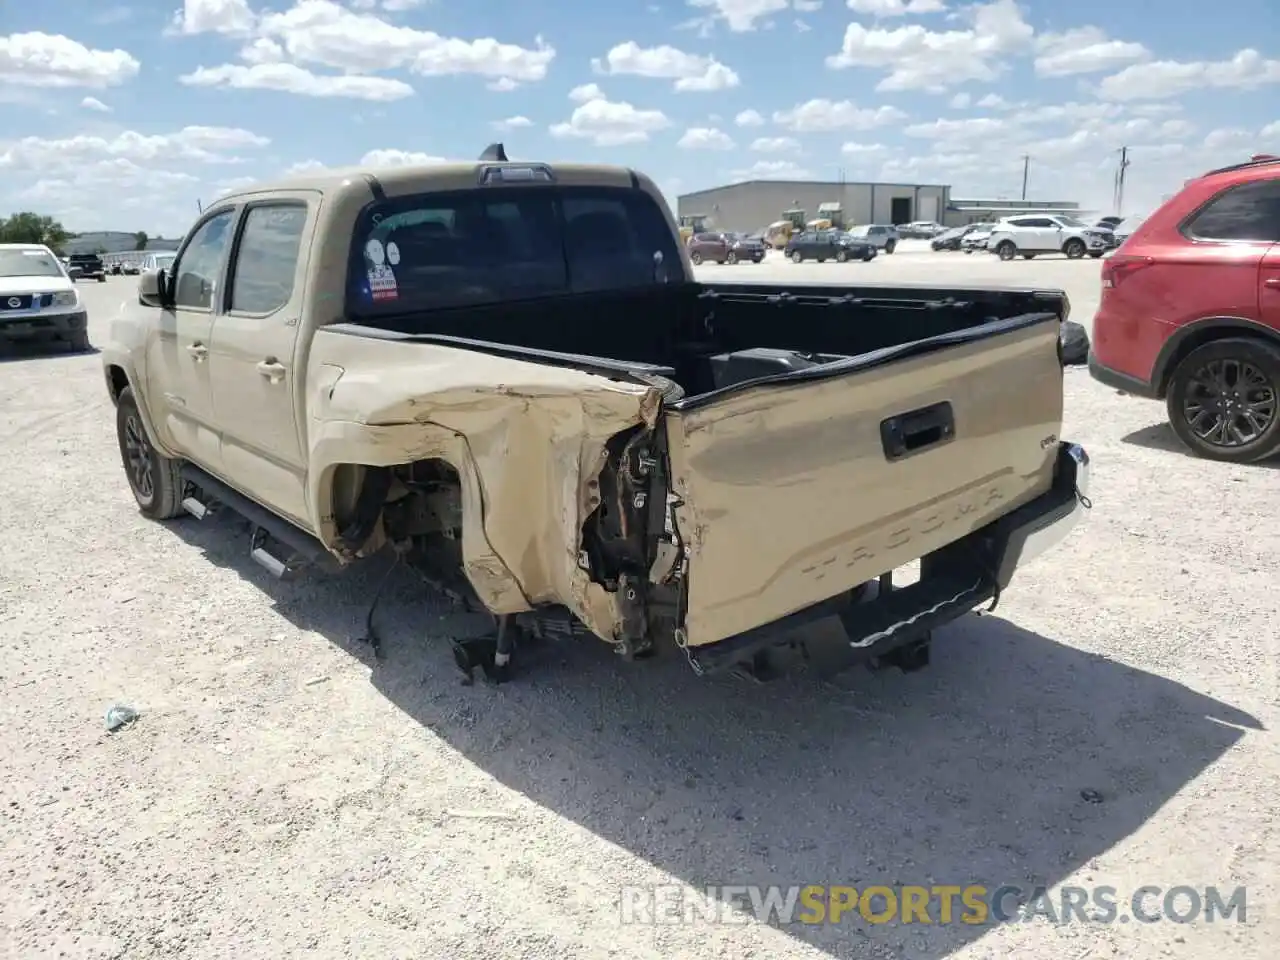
(1222, 400)
(796, 256)
(154, 480)
(1095, 253)
(1006, 250)
(842, 256)
(1073, 248)
(731, 258)
(1028, 256)
(695, 258)
(889, 247)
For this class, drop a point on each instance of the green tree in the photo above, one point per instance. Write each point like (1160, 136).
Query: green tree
(30, 227)
(140, 240)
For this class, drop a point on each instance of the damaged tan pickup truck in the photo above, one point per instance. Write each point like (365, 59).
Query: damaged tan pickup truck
(507, 373)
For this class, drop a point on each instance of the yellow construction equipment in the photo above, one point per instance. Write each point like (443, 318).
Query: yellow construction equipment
(694, 223)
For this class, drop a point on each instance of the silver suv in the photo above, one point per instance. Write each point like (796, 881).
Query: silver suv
(881, 236)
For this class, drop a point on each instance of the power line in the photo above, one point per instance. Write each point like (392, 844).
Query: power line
(1118, 196)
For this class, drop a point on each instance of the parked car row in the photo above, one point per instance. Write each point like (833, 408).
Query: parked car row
(1032, 236)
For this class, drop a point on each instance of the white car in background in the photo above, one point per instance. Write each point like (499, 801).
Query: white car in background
(38, 299)
(158, 261)
(976, 239)
(1030, 236)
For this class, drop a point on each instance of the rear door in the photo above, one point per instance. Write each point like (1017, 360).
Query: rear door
(255, 361)
(790, 493)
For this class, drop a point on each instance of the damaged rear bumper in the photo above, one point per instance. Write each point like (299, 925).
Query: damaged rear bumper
(953, 581)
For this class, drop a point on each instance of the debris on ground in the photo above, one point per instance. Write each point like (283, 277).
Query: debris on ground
(120, 716)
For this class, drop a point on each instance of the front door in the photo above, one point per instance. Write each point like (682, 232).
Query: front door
(255, 360)
(1269, 287)
(177, 367)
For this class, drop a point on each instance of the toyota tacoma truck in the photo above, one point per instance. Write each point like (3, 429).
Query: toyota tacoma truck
(506, 376)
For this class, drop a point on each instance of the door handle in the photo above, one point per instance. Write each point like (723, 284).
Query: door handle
(1272, 281)
(272, 369)
(198, 350)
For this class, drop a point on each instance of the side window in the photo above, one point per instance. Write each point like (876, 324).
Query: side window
(267, 258)
(1250, 211)
(196, 272)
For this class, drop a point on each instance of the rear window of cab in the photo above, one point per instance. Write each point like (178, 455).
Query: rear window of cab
(478, 247)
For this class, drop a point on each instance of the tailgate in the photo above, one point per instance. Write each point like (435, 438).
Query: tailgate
(795, 492)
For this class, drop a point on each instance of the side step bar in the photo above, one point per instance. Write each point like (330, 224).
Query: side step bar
(266, 524)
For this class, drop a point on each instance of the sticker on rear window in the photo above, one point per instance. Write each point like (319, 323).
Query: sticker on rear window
(393, 254)
(382, 283)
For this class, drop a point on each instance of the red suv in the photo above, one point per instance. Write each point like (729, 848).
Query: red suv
(1190, 312)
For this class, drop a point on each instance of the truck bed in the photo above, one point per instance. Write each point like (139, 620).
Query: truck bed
(682, 331)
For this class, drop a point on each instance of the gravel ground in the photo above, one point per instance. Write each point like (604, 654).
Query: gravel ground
(281, 796)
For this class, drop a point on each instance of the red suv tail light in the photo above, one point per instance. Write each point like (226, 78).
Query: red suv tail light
(1120, 265)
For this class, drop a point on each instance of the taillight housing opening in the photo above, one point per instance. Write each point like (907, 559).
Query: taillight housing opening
(1121, 265)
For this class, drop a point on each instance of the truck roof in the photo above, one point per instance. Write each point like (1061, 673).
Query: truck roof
(427, 178)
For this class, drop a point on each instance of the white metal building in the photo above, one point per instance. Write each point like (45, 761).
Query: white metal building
(755, 204)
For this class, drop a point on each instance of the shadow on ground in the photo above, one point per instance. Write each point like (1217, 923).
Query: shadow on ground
(980, 769)
(1160, 436)
(13, 351)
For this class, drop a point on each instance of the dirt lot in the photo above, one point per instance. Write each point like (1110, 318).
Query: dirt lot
(281, 796)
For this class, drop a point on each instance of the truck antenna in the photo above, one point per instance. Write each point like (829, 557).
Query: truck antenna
(494, 152)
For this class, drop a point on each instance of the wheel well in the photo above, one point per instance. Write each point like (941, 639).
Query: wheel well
(1203, 335)
(116, 382)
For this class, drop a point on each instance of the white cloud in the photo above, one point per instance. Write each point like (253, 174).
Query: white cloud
(1084, 50)
(230, 17)
(398, 158)
(920, 59)
(772, 170)
(802, 27)
(305, 166)
(690, 71)
(821, 114)
(862, 149)
(356, 44)
(739, 16)
(93, 103)
(895, 8)
(512, 123)
(197, 144)
(1271, 131)
(775, 144)
(609, 124)
(1161, 79)
(969, 128)
(588, 91)
(289, 78)
(806, 6)
(749, 118)
(262, 50)
(1232, 137)
(502, 85)
(993, 101)
(50, 60)
(705, 138)
(961, 101)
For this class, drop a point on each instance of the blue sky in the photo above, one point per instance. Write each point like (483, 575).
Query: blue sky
(122, 114)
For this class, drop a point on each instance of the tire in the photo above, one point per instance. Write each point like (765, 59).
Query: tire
(1096, 253)
(154, 480)
(889, 247)
(868, 256)
(102, 279)
(695, 259)
(1074, 249)
(1191, 389)
(1006, 250)
(79, 341)
(797, 256)
(731, 258)
(842, 256)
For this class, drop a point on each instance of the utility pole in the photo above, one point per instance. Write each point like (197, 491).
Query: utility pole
(1026, 170)
(1119, 194)
(199, 206)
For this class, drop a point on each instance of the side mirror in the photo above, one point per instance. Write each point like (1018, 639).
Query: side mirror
(151, 288)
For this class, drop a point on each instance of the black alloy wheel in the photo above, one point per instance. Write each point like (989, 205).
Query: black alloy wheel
(1222, 400)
